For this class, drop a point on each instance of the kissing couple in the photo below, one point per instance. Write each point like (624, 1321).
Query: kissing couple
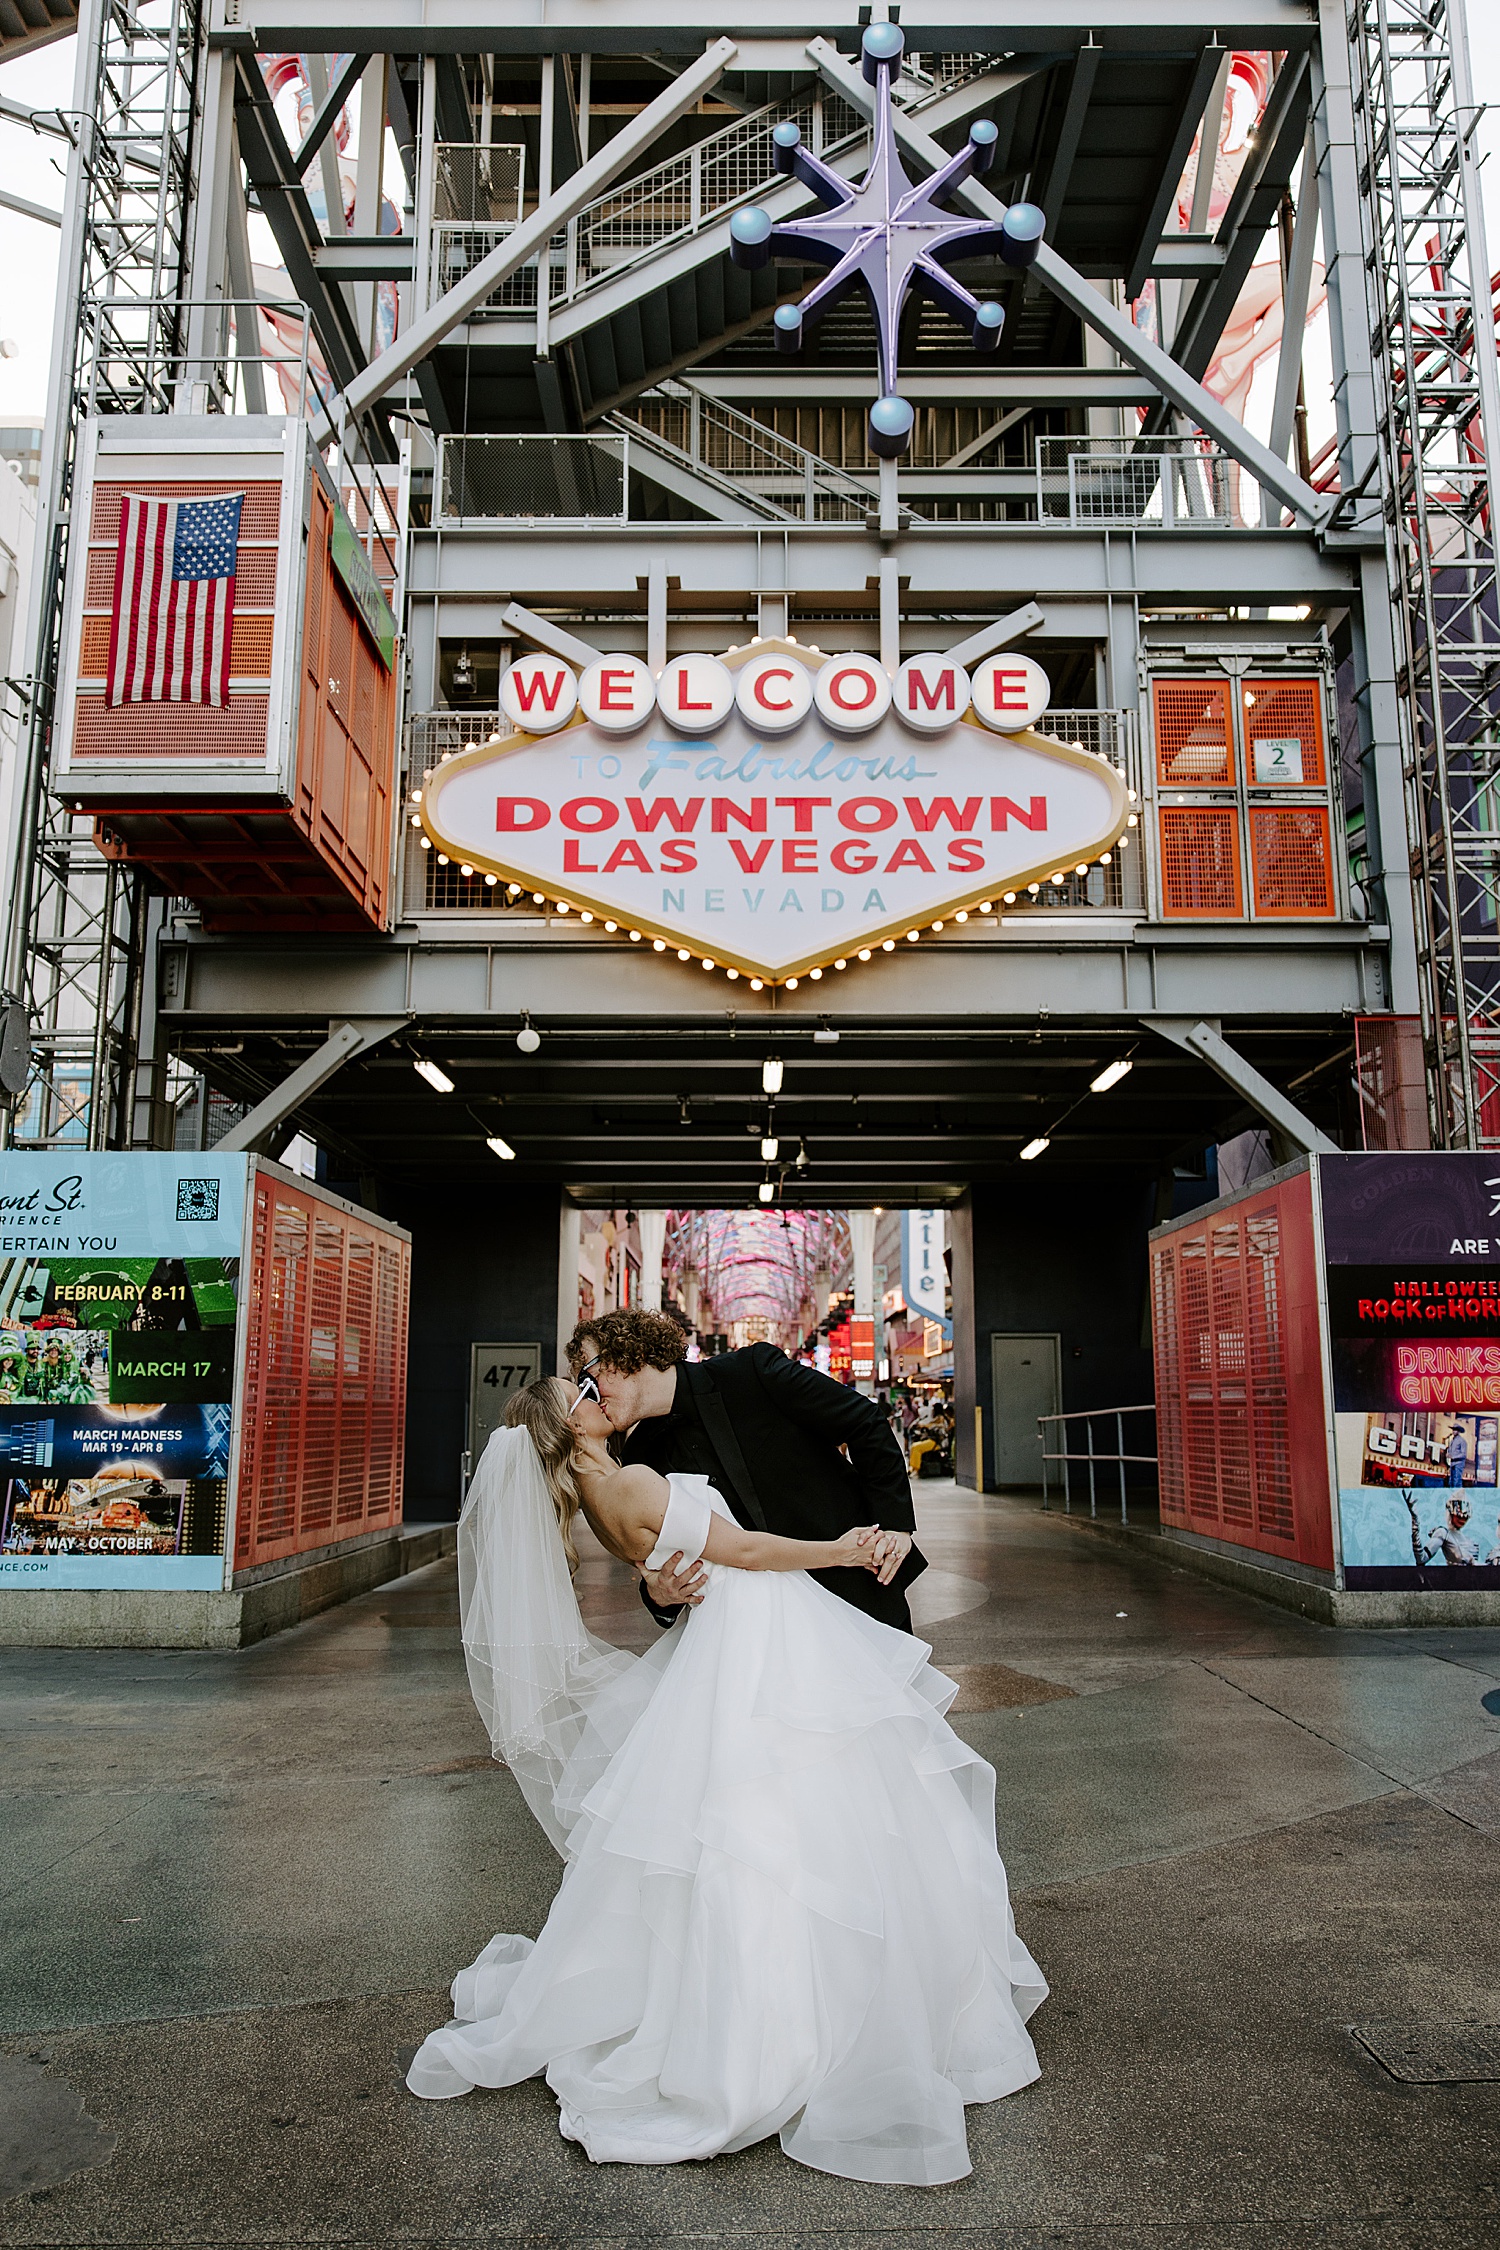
(782, 1908)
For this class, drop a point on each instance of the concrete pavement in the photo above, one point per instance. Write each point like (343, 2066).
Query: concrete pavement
(236, 1884)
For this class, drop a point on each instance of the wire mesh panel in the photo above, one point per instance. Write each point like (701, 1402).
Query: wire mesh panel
(717, 172)
(1284, 733)
(1291, 862)
(1118, 886)
(1200, 862)
(1194, 744)
(472, 182)
(457, 249)
(1168, 482)
(541, 477)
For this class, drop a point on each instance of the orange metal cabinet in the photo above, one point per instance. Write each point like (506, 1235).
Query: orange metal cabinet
(274, 811)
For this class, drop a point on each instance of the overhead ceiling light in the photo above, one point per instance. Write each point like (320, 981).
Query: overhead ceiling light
(765, 1191)
(501, 1148)
(770, 1075)
(802, 1156)
(527, 1039)
(768, 1147)
(435, 1077)
(1111, 1075)
(825, 1035)
(1035, 1148)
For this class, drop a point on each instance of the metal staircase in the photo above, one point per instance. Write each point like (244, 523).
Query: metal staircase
(639, 286)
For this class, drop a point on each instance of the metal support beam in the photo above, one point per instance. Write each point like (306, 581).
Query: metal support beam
(283, 200)
(328, 112)
(524, 241)
(544, 634)
(27, 210)
(1134, 347)
(1204, 1040)
(1026, 387)
(1252, 209)
(1200, 87)
(1296, 293)
(1075, 110)
(999, 635)
(351, 1037)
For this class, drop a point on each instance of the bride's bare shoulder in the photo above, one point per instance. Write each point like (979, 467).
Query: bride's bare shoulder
(628, 1508)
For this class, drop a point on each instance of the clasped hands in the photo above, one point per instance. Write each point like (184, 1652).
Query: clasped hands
(868, 1548)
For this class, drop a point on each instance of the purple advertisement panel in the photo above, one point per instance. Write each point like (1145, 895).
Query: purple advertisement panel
(1412, 1243)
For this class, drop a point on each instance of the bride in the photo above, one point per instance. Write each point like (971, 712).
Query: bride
(782, 1910)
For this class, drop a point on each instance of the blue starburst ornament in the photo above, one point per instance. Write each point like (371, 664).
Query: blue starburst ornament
(887, 237)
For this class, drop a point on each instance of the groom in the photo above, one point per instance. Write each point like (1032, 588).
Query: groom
(791, 1451)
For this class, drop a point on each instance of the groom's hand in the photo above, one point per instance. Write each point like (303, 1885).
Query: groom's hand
(889, 1550)
(669, 1590)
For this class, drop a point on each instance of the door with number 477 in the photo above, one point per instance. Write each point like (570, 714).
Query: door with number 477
(496, 1373)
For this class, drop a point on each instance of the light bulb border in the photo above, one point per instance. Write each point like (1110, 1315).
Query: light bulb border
(897, 927)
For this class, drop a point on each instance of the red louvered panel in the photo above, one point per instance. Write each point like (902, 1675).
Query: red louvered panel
(355, 1489)
(1266, 1345)
(1200, 1453)
(325, 1387)
(1168, 1362)
(1241, 1421)
(1236, 1505)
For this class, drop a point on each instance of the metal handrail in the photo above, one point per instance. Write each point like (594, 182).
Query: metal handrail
(1088, 1416)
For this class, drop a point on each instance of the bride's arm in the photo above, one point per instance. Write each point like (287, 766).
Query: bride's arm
(635, 1505)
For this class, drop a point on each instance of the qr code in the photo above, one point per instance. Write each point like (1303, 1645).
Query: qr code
(197, 1199)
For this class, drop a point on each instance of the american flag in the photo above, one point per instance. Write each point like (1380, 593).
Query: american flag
(174, 599)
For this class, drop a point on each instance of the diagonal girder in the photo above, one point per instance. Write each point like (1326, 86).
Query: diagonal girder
(427, 331)
(272, 171)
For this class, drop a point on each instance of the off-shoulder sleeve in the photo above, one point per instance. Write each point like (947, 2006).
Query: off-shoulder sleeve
(685, 1526)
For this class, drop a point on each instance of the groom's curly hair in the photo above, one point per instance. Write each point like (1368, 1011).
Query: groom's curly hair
(628, 1341)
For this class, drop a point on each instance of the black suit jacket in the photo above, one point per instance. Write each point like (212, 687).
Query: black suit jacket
(767, 1430)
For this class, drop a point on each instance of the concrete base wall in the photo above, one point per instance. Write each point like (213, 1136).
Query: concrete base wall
(70, 1617)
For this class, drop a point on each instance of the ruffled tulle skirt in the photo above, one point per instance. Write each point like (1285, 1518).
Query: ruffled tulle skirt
(783, 1911)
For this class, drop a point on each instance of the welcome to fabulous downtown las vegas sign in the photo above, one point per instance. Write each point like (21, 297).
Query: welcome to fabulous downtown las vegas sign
(773, 810)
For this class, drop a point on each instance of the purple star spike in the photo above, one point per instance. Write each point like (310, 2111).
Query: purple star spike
(886, 237)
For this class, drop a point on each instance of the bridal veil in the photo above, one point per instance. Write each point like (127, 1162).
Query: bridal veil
(535, 1669)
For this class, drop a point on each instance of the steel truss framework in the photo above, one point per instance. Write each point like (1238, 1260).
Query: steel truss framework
(1433, 328)
(145, 330)
(76, 942)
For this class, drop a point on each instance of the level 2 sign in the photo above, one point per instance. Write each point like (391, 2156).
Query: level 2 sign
(774, 809)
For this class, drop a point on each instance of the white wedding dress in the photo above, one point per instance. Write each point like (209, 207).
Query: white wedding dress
(783, 1910)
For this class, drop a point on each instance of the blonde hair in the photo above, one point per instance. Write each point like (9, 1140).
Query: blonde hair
(542, 1411)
